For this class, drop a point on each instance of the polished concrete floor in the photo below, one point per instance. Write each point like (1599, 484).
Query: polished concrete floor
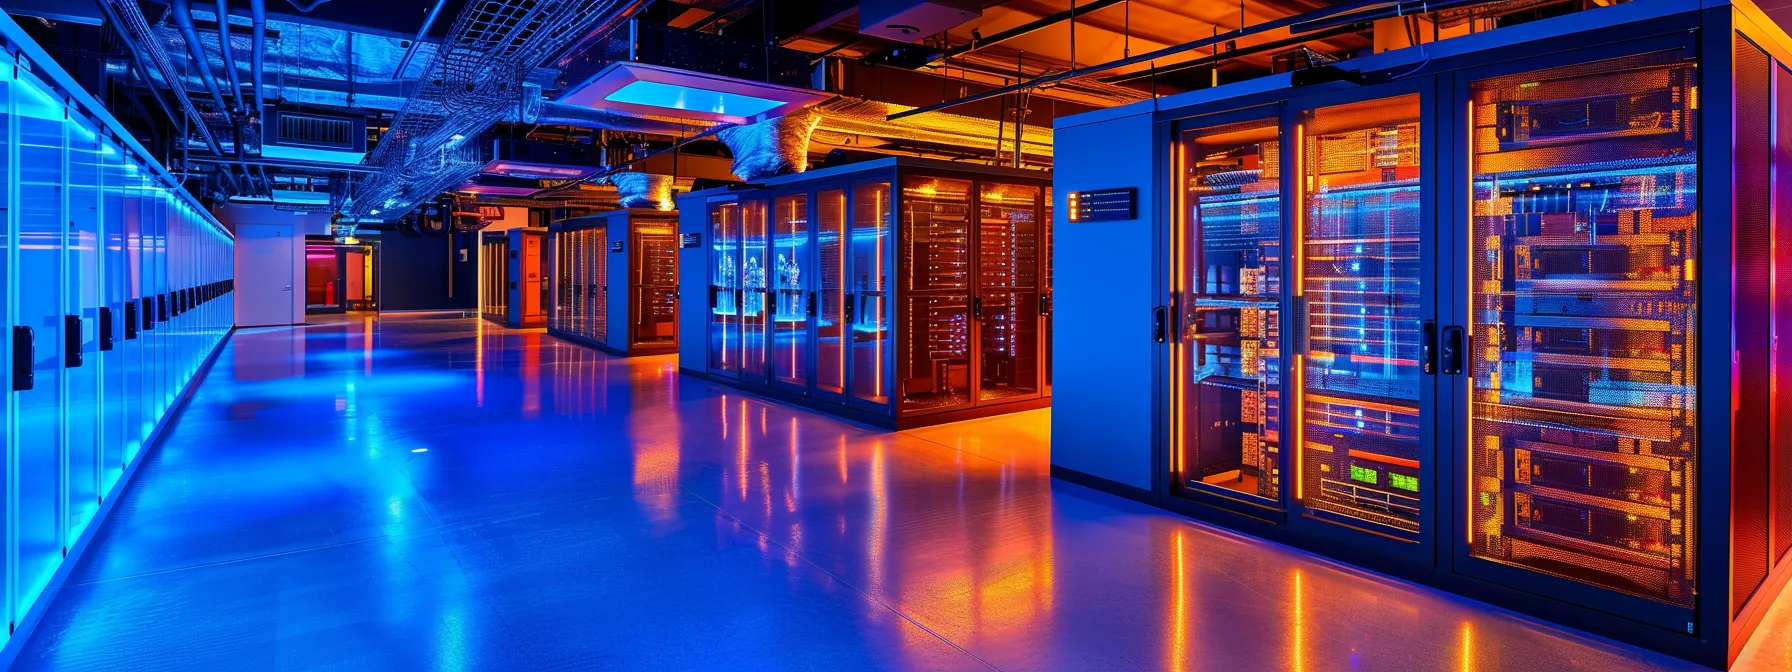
(427, 493)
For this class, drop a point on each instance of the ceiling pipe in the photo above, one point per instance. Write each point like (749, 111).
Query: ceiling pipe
(236, 84)
(182, 11)
(130, 44)
(258, 33)
(429, 21)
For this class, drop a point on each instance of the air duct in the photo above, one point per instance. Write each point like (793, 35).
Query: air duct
(643, 190)
(776, 146)
(535, 110)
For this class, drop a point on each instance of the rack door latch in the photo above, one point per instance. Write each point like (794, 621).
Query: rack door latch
(1428, 348)
(24, 358)
(71, 342)
(1451, 349)
(1160, 324)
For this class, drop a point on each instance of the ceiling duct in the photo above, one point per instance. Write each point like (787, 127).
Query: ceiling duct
(910, 20)
(692, 51)
(776, 146)
(535, 110)
(643, 190)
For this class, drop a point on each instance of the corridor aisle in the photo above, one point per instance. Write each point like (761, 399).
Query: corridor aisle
(433, 493)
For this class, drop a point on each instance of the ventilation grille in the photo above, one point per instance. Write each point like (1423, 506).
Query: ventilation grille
(295, 129)
(1753, 220)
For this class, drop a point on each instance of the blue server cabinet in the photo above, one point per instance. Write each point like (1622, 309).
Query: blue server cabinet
(1497, 313)
(900, 292)
(614, 279)
(115, 295)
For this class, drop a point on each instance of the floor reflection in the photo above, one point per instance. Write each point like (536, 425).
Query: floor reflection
(444, 493)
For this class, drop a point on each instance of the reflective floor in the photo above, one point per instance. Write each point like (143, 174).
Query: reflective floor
(427, 493)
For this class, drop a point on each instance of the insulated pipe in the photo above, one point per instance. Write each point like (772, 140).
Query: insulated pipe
(236, 84)
(258, 31)
(183, 19)
(429, 21)
(130, 44)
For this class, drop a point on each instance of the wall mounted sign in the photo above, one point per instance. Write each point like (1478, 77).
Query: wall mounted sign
(616, 246)
(690, 240)
(1104, 205)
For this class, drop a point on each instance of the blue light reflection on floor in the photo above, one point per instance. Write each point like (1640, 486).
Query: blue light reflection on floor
(578, 511)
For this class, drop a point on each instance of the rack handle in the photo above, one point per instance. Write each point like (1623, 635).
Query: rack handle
(106, 328)
(71, 342)
(24, 358)
(1451, 349)
(1428, 348)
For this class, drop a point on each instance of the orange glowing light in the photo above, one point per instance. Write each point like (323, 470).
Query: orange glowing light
(1300, 276)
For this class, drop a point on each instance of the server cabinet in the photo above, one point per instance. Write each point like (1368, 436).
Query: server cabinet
(616, 280)
(95, 238)
(513, 277)
(1499, 322)
(901, 292)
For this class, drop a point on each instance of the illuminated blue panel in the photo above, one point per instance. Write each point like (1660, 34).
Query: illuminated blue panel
(671, 96)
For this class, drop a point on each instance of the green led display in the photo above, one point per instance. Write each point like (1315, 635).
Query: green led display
(1365, 475)
(1404, 482)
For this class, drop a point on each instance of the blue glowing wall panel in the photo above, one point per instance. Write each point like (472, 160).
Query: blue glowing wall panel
(114, 288)
(1102, 351)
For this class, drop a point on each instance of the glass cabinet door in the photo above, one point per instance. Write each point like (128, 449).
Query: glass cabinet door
(1582, 300)
(830, 292)
(654, 313)
(597, 284)
(790, 310)
(724, 288)
(933, 365)
(82, 371)
(1359, 278)
(868, 295)
(755, 288)
(1006, 303)
(42, 222)
(1226, 286)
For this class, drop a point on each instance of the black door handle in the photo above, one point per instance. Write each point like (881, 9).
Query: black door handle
(1045, 304)
(1428, 348)
(71, 341)
(130, 320)
(976, 307)
(105, 328)
(850, 308)
(24, 358)
(811, 304)
(1451, 349)
(1160, 324)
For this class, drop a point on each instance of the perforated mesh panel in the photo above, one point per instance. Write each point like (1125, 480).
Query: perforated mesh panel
(1751, 323)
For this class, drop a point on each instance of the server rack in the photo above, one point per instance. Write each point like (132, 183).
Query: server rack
(900, 292)
(1503, 324)
(633, 251)
(115, 285)
(512, 278)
